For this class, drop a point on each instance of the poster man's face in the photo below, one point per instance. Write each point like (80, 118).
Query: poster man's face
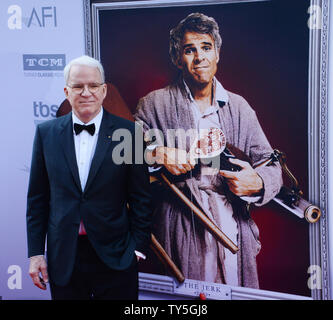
(86, 104)
(199, 58)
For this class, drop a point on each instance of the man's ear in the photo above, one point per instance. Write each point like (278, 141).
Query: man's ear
(105, 89)
(66, 92)
(179, 64)
(218, 55)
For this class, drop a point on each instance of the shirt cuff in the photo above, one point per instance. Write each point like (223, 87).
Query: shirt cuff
(152, 169)
(151, 148)
(140, 254)
(251, 199)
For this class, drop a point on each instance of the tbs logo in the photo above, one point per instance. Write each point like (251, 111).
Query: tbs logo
(43, 112)
(41, 17)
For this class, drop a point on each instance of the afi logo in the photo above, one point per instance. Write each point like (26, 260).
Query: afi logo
(40, 17)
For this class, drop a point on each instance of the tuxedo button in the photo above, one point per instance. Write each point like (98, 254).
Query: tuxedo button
(83, 198)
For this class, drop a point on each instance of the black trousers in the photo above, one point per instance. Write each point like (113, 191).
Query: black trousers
(93, 280)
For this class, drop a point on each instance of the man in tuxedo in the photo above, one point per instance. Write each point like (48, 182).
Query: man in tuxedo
(94, 211)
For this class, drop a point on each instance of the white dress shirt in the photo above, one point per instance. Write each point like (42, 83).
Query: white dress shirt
(85, 146)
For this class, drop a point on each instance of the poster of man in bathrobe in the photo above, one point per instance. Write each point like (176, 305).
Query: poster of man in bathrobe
(212, 79)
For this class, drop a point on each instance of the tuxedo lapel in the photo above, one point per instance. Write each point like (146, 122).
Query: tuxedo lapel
(67, 141)
(103, 143)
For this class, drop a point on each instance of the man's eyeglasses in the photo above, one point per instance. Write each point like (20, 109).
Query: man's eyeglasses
(79, 88)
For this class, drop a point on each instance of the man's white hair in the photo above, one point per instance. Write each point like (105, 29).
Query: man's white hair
(84, 61)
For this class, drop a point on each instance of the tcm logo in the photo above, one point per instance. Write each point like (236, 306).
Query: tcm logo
(39, 17)
(43, 62)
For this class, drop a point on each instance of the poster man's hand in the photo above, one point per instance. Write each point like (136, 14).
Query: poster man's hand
(176, 161)
(245, 182)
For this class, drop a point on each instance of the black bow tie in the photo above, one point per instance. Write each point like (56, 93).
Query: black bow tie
(79, 127)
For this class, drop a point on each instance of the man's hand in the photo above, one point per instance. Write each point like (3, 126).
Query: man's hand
(176, 161)
(38, 265)
(245, 182)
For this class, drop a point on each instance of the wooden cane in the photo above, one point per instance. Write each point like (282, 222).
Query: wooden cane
(165, 259)
(208, 223)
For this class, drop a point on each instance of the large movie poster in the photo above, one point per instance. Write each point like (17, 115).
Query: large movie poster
(264, 58)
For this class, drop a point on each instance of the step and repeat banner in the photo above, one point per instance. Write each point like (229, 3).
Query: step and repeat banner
(38, 38)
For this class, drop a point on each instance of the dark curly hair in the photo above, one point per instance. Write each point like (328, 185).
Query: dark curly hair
(194, 22)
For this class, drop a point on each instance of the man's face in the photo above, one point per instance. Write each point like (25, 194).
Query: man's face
(198, 59)
(85, 105)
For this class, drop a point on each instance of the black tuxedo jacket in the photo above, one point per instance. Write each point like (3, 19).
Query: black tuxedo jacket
(115, 205)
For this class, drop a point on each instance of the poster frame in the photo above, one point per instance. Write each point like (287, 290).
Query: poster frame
(317, 137)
